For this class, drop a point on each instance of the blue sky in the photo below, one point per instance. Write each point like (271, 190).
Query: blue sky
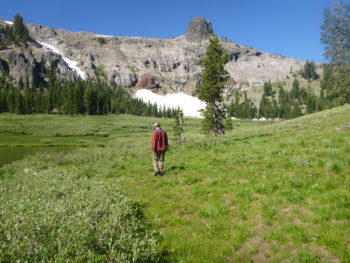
(286, 27)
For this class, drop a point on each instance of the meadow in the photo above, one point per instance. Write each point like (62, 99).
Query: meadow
(266, 192)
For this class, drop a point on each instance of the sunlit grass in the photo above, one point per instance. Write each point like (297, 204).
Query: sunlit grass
(267, 191)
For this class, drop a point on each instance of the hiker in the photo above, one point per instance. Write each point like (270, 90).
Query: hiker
(159, 146)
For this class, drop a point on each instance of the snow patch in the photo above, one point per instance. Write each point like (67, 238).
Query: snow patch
(8, 22)
(189, 104)
(52, 48)
(261, 119)
(71, 63)
(103, 36)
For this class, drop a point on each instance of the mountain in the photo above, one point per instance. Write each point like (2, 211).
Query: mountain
(166, 64)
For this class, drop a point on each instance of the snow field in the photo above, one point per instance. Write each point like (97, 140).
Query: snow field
(103, 36)
(189, 104)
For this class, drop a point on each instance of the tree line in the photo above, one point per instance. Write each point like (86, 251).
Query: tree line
(79, 97)
(17, 33)
(51, 95)
(280, 102)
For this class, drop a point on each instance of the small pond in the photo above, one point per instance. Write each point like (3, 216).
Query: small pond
(11, 154)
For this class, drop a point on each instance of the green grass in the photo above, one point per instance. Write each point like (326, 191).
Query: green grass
(267, 191)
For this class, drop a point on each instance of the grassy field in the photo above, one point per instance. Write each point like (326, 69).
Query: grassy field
(267, 192)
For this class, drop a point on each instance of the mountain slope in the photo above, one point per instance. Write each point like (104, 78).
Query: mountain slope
(172, 63)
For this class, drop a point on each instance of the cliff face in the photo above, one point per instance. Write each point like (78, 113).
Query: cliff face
(26, 64)
(125, 60)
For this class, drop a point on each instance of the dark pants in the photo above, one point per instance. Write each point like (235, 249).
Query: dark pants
(158, 160)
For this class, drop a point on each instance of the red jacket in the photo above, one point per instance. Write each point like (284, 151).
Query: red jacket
(159, 141)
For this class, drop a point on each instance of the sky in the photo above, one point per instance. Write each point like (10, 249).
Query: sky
(286, 27)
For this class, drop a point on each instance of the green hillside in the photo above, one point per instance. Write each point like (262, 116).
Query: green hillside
(267, 192)
(255, 93)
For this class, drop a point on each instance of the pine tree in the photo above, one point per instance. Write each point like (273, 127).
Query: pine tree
(295, 89)
(79, 97)
(20, 31)
(336, 38)
(296, 110)
(228, 122)
(268, 89)
(310, 103)
(310, 71)
(214, 78)
(178, 127)
(90, 100)
(336, 33)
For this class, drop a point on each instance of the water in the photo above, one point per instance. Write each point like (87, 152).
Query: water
(11, 154)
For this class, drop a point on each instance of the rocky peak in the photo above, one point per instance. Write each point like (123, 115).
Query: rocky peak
(199, 29)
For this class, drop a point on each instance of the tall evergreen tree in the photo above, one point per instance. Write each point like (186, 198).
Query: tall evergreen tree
(336, 33)
(214, 78)
(336, 38)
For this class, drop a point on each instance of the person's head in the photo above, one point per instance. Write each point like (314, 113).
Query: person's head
(156, 125)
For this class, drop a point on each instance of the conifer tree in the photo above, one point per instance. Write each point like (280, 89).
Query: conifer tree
(310, 71)
(20, 31)
(268, 89)
(79, 97)
(178, 127)
(295, 89)
(228, 122)
(296, 110)
(335, 35)
(214, 78)
(336, 38)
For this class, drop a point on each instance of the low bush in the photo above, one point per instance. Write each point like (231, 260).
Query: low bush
(51, 215)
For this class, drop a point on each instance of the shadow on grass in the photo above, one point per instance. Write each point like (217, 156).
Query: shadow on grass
(251, 137)
(175, 169)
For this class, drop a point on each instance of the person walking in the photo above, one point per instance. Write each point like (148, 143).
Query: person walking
(159, 147)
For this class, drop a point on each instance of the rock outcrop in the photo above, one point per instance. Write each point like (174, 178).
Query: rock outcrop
(124, 60)
(199, 29)
(147, 81)
(26, 64)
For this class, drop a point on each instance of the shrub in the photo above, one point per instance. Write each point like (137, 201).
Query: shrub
(51, 215)
(101, 41)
